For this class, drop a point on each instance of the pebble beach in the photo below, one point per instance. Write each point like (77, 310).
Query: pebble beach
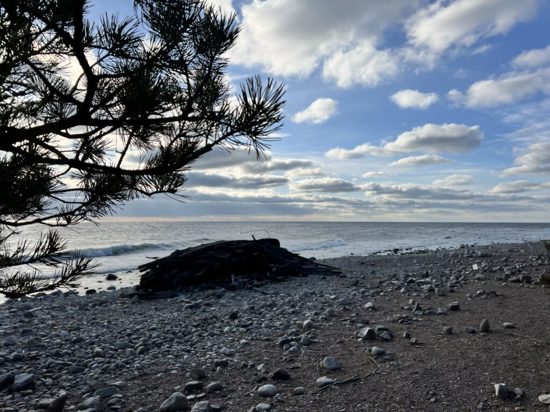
(444, 330)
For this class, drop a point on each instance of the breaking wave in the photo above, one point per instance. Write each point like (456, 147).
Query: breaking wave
(118, 250)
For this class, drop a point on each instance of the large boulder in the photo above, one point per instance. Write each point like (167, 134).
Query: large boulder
(226, 262)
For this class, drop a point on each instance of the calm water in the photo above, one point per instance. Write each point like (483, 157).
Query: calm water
(122, 246)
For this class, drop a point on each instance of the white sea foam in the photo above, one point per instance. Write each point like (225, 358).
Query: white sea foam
(125, 249)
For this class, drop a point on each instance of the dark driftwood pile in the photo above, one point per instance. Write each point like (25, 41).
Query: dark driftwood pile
(226, 262)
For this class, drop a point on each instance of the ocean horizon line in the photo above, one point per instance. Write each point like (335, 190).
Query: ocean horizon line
(152, 219)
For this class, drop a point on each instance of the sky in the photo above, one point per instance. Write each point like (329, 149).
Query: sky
(402, 110)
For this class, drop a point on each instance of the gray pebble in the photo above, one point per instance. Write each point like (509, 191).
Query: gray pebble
(376, 351)
(214, 387)
(176, 402)
(201, 406)
(323, 381)
(268, 391)
(300, 390)
(331, 363)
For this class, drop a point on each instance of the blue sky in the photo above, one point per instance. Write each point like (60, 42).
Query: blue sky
(404, 110)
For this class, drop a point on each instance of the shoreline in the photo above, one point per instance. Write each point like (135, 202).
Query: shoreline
(134, 354)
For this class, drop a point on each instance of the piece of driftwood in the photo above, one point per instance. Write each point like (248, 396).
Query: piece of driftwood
(227, 262)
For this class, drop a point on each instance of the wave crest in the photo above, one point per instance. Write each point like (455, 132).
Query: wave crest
(125, 249)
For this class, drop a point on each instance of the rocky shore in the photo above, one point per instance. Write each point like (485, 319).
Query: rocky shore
(447, 330)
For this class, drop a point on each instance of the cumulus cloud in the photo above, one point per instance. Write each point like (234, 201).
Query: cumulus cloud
(317, 112)
(363, 65)
(519, 186)
(346, 40)
(356, 153)
(533, 58)
(273, 165)
(288, 37)
(306, 171)
(375, 174)
(325, 184)
(232, 182)
(535, 160)
(454, 180)
(462, 23)
(414, 191)
(415, 161)
(431, 138)
(438, 138)
(413, 99)
(508, 88)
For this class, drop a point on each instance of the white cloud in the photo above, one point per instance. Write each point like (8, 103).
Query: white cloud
(272, 165)
(535, 160)
(415, 191)
(242, 182)
(306, 171)
(317, 112)
(346, 40)
(454, 180)
(423, 160)
(519, 186)
(288, 37)
(375, 174)
(431, 138)
(356, 153)
(415, 99)
(533, 58)
(438, 138)
(363, 65)
(325, 184)
(462, 23)
(509, 88)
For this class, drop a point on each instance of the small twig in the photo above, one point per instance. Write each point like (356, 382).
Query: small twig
(253, 390)
(352, 379)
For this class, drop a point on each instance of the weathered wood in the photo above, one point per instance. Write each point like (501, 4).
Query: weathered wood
(227, 262)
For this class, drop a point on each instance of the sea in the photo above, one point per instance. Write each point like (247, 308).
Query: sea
(119, 247)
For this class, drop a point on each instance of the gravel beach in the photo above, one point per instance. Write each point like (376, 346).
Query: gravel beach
(445, 330)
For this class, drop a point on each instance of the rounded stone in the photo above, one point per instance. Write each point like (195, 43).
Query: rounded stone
(300, 390)
(268, 390)
(484, 326)
(176, 402)
(323, 381)
(308, 324)
(331, 363)
(376, 351)
(214, 387)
